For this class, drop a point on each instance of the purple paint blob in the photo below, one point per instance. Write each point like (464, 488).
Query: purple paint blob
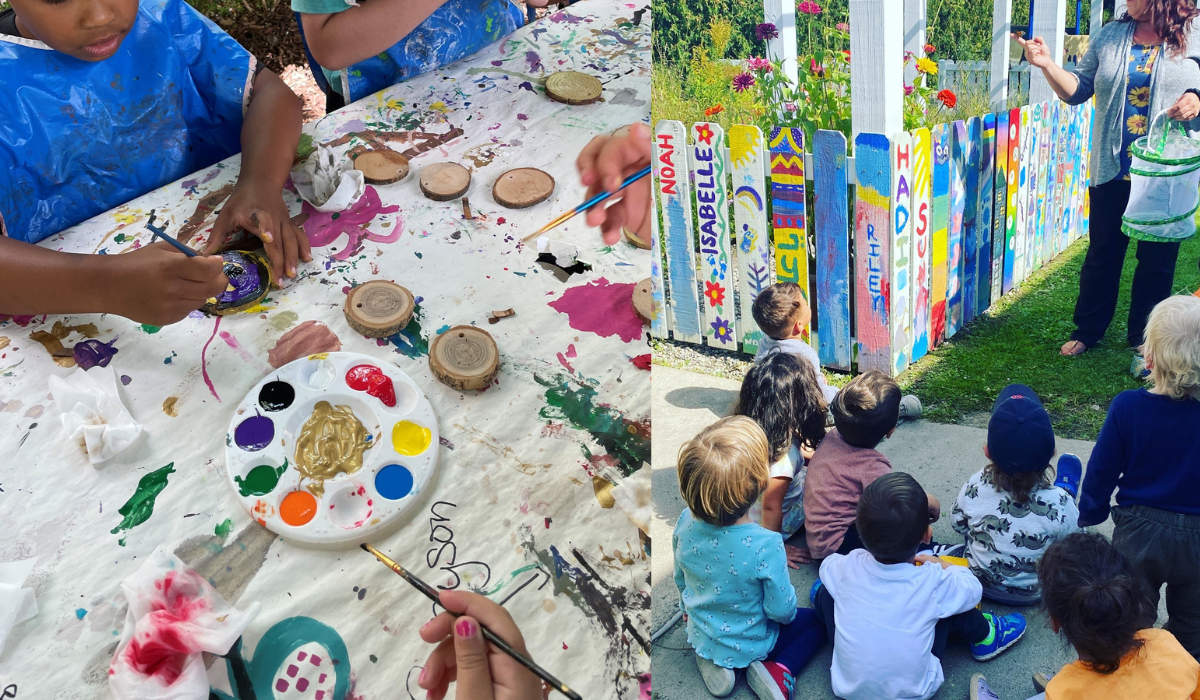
(254, 433)
(93, 353)
(534, 61)
(526, 86)
(244, 276)
(125, 379)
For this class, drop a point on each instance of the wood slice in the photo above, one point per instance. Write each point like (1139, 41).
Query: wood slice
(523, 187)
(249, 276)
(382, 167)
(634, 239)
(379, 308)
(643, 301)
(573, 88)
(464, 358)
(442, 182)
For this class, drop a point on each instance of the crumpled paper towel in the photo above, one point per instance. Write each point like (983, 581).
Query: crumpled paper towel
(174, 615)
(564, 254)
(16, 604)
(632, 495)
(93, 414)
(328, 182)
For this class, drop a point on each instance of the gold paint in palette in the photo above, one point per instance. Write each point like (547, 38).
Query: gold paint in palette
(331, 442)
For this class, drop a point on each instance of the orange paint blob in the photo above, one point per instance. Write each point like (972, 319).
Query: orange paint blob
(297, 508)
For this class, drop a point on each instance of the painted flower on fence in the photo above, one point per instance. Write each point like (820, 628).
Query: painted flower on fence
(722, 331)
(766, 31)
(809, 8)
(755, 63)
(743, 82)
(714, 110)
(927, 66)
(715, 293)
(947, 98)
(704, 134)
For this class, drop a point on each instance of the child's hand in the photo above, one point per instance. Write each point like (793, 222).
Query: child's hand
(603, 165)
(797, 556)
(265, 215)
(159, 285)
(464, 657)
(930, 559)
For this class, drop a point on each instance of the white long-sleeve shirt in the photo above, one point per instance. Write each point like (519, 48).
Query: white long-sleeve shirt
(769, 346)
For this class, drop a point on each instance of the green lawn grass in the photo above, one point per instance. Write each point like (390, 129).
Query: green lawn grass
(1019, 340)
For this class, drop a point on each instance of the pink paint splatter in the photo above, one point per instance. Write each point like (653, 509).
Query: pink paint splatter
(204, 362)
(233, 343)
(644, 687)
(601, 308)
(323, 228)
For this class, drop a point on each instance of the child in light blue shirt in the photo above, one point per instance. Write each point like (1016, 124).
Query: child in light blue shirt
(739, 604)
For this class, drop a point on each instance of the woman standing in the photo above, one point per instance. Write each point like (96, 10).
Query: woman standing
(1147, 61)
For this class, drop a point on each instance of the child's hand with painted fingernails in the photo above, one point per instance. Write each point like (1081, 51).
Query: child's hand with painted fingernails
(603, 165)
(463, 656)
(266, 216)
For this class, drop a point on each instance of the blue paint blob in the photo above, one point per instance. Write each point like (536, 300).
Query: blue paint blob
(394, 482)
(254, 433)
(80, 612)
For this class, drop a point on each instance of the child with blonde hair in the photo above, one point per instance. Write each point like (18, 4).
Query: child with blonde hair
(1149, 451)
(739, 604)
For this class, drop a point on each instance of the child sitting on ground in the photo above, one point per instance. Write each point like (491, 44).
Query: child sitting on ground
(1149, 450)
(781, 394)
(865, 412)
(889, 621)
(1009, 511)
(105, 100)
(739, 604)
(1098, 603)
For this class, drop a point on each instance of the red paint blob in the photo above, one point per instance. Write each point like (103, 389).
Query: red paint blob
(372, 380)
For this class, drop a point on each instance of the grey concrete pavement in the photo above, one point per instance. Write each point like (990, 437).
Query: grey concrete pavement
(941, 457)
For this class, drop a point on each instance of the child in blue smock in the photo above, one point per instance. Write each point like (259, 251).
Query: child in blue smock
(102, 101)
(738, 602)
(363, 47)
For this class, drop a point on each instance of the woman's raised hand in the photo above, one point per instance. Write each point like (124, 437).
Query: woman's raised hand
(1036, 51)
(1185, 108)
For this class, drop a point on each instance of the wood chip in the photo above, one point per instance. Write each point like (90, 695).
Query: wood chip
(643, 301)
(634, 239)
(442, 182)
(382, 167)
(523, 187)
(464, 358)
(573, 88)
(379, 308)
(495, 316)
(467, 209)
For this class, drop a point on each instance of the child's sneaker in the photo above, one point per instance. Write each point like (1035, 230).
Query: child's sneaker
(719, 681)
(770, 680)
(910, 408)
(812, 592)
(1005, 633)
(1040, 681)
(980, 690)
(1070, 471)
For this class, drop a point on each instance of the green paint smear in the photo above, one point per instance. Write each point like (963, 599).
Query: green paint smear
(151, 329)
(224, 528)
(261, 480)
(283, 320)
(409, 342)
(305, 148)
(140, 506)
(627, 441)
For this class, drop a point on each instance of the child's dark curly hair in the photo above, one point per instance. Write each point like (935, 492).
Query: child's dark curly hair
(1019, 485)
(781, 393)
(1099, 603)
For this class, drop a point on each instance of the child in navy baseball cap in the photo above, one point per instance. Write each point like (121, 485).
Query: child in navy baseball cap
(1013, 508)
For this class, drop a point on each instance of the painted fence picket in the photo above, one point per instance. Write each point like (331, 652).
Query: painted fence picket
(1053, 184)
(833, 249)
(900, 311)
(999, 207)
(660, 318)
(970, 229)
(920, 249)
(674, 190)
(940, 215)
(1043, 118)
(1031, 154)
(960, 147)
(1064, 180)
(872, 263)
(788, 217)
(753, 254)
(709, 176)
(1016, 176)
(983, 222)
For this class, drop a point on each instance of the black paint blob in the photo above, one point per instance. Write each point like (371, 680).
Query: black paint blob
(276, 396)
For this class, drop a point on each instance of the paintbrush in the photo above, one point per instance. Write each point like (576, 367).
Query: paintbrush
(160, 233)
(590, 203)
(431, 593)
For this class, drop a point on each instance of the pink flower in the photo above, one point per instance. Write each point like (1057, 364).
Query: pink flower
(759, 64)
(808, 7)
(766, 31)
(842, 27)
(743, 82)
(908, 90)
(817, 69)
(789, 106)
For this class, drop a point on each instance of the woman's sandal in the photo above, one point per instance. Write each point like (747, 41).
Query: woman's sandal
(1073, 348)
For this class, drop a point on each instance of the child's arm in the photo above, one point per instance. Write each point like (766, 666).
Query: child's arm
(772, 505)
(341, 39)
(155, 284)
(935, 508)
(270, 132)
(1103, 469)
(779, 595)
(958, 590)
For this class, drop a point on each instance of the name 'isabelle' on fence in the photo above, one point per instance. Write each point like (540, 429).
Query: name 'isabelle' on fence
(945, 221)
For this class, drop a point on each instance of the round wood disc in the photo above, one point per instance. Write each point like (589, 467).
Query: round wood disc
(379, 308)
(573, 88)
(634, 239)
(523, 187)
(464, 358)
(643, 301)
(382, 167)
(442, 182)
(249, 275)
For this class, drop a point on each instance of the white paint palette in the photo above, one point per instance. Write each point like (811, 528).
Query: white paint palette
(292, 446)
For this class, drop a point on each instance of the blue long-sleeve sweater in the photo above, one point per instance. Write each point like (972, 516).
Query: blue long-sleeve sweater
(1149, 451)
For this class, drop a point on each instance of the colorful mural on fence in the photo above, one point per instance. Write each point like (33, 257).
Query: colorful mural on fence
(833, 250)
(983, 221)
(712, 216)
(659, 323)
(940, 207)
(999, 206)
(788, 214)
(959, 149)
(921, 248)
(748, 169)
(674, 192)
(872, 222)
(901, 307)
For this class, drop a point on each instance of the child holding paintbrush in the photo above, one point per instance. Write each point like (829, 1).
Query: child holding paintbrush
(105, 100)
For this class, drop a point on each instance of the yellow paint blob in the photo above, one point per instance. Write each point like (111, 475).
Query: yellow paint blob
(410, 439)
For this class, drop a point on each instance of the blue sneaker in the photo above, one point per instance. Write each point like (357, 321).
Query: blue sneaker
(1070, 471)
(812, 592)
(1005, 633)
(980, 690)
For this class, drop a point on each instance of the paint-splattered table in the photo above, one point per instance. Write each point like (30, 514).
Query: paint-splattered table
(520, 507)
